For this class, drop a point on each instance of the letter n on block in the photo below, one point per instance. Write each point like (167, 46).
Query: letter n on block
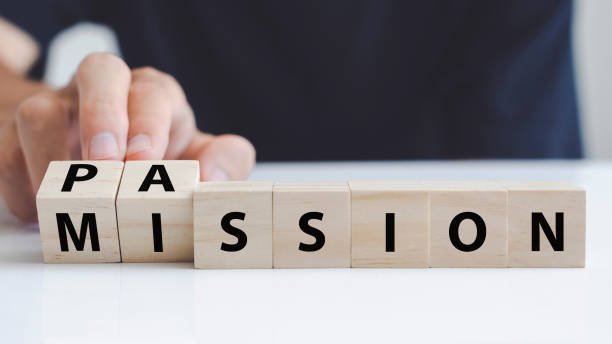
(546, 224)
(232, 225)
(390, 224)
(468, 224)
(312, 225)
(76, 212)
(155, 210)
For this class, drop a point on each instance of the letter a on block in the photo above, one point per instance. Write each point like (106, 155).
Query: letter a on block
(76, 212)
(155, 210)
(546, 224)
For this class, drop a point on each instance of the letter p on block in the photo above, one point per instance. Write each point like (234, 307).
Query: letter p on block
(76, 212)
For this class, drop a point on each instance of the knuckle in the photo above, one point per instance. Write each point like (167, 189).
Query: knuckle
(142, 87)
(151, 78)
(146, 73)
(35, 111)
(241, 144)
(102, 61)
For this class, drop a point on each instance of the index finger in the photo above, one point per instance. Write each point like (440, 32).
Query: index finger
(102, 83)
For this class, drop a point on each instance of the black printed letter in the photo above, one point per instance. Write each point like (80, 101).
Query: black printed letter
(163, 179)
(158, 244)
(72, 177)
(481, 231)
(229, 229)
(317, 234)
(556, 241)
(64, 223)
(390, 234)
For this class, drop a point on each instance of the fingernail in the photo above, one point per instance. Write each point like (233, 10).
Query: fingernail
(139, 143)
(103, 145)
(217, 175)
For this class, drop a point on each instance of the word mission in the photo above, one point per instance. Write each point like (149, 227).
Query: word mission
(159, 211)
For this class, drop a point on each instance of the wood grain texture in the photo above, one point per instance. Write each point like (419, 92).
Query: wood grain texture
(96, 196)
(135, 209)
(291, 200)
(409, 204)
(212, 201)
(489, 201)
(548, 198)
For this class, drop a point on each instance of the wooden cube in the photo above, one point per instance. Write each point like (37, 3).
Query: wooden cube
(76, 212)
(468, 224)
(546, 224)
(155, 210)
(233, 225)
(390, 224)
(312, 225)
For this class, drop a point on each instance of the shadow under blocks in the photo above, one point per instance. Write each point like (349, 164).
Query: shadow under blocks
(159, 211)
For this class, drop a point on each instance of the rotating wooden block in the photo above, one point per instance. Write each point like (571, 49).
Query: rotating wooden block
(390, 224)
(233, 225)
(468, 224)
(155, 210)
(546, 224)
(76, 212)
(312, 225)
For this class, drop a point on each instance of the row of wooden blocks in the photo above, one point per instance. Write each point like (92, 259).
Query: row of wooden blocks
(159, 211)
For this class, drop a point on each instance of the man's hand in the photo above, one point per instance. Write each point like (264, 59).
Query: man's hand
(109, 112)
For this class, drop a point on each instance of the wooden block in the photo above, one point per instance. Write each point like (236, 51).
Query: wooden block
(546, 224)
(76, 212)
(468, 224)
(312, 225)
(390, 224)
(155, 210)
(233, 225)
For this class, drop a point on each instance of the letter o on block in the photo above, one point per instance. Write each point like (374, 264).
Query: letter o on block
(468, 224)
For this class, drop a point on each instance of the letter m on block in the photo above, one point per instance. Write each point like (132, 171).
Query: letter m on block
(64, 224)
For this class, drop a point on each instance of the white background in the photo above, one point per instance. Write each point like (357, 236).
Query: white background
(174, 303)
(593, 53)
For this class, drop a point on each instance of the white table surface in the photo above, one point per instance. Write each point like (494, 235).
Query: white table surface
(151, 303)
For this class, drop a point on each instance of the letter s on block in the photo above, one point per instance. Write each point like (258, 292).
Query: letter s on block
(317, 234)
(237, 232)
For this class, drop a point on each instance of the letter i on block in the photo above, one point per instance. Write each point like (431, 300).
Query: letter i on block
(390, 224)
(155, 210)
(546, 224)
(312, 225)
(468, 224)
(233, 225)
(76, 212)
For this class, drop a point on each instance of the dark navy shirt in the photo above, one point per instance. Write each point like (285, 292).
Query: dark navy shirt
(320, 80)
